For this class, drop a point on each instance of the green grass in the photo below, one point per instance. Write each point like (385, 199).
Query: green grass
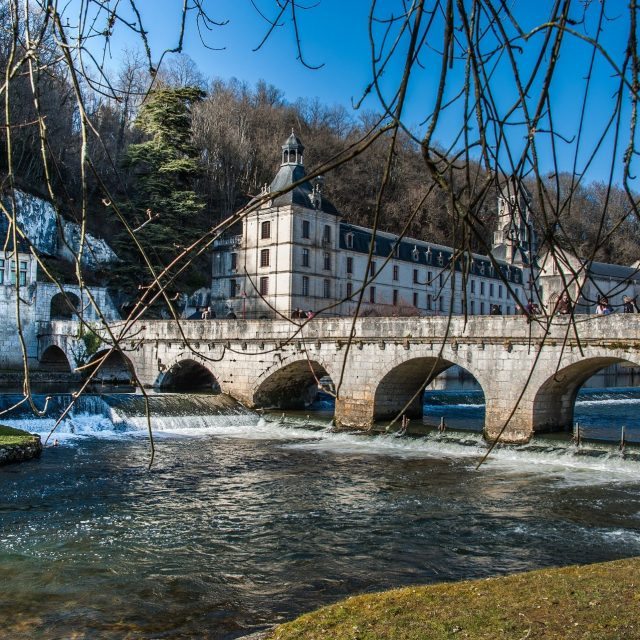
(590, 602)
(9, 436)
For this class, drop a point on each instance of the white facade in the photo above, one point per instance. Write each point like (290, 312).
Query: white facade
(295, 252)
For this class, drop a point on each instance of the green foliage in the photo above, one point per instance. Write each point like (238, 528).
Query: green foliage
(92, 341)
(164, 169)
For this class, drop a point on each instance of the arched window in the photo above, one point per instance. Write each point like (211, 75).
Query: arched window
(64, 306)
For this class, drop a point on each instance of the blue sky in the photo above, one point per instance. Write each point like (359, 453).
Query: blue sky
(334, 34)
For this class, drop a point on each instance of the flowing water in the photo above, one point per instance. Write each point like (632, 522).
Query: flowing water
(245, 520)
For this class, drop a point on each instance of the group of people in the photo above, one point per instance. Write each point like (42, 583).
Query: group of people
(300, 314)
(629, 305)
(207, 313)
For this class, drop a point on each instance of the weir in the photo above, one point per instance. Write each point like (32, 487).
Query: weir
(529, 372)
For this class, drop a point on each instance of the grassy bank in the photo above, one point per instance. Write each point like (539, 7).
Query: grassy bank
(11, 436)
(594, 602)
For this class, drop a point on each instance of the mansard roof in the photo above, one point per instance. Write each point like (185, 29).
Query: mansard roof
(6, 237)
(419, 252)
(301, 195)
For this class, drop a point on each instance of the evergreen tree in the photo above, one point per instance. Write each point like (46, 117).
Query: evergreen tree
(162, 203)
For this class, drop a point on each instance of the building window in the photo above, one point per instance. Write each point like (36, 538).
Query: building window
(415, 299)
(306, 229)
(264, 257)
(441, 303)
(23, 273)
(349, 289)
(396, 272)
(473, 285)
(305, 286)
(234, 262)
(473, 307)
(264, 285)
(482, 308)
(499, 291)
(305, 257)
(326, 238)
(327, 261)
(372, 268)
(491, 289)
(395, 297)
(482, 288)
(429, 278)
(349, 265)
(415, 276)
(372, 294)
(349, 240)
(233, 288)
(429, 301)
(1, 271)
(327, 289)
(441, 280)
(265, 229)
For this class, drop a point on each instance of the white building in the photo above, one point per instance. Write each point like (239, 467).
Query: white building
(29, 305)
(296, 252)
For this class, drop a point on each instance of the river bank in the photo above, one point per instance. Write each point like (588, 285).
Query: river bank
(17, 445)
(592, 602)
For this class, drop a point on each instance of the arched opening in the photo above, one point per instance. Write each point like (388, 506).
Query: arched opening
(422, 390)
(114, 368)
(189, 376)
(64, 306)
(295, 386)
(600, 394)
(55, 359)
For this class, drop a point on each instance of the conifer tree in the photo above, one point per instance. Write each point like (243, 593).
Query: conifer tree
(162, 203)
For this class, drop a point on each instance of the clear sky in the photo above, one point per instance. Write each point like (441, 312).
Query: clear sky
(334, 34)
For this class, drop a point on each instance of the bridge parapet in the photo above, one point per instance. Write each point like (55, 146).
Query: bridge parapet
(529, 372)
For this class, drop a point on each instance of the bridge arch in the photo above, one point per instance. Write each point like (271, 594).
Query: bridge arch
(54, 359)
(404, 382)
(188, 375)
(115, 368)
(554, 400)
(292, 386)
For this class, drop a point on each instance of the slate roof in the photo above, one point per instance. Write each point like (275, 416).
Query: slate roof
(427, 254)
(23, 245)
(300, 195)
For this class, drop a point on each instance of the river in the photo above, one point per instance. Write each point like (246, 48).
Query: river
(244, 521)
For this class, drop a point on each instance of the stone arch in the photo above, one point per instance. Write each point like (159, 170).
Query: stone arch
(554, 400)
(115, 369)
(54, 359)
(188, 375)
(406, 379)
(292, 386)
(64, 306)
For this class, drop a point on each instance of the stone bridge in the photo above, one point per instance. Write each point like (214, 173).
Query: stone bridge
(530, 373)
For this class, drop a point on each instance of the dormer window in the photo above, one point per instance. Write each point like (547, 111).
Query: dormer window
(396, 251)
(373, 246)
(415, 254)
(428, 255)
(348, 239)
(440, 259)
(481, 269)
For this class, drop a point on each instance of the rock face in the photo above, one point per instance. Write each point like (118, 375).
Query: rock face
(55, 236)
(21, 452)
